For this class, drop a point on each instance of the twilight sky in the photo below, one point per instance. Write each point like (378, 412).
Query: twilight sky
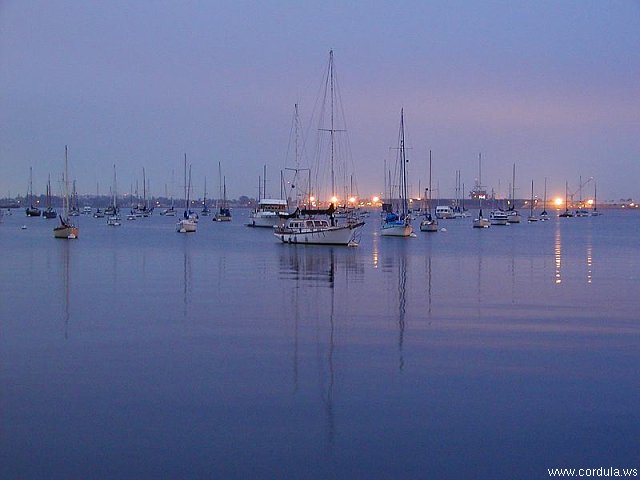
(552, 86)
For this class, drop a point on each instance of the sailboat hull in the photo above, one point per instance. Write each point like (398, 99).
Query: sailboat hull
(338, 235)
(481, 223)
(428, 226)
(393, 230)
(66, 232)
(186, 226)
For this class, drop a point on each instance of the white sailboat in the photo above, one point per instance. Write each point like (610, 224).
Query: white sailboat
(531, 218)
(186, 224)
(512, 214)
(315, 225)
(398, 224)
(429, 224)
(66, 229)
(114, 220)
(480, 193)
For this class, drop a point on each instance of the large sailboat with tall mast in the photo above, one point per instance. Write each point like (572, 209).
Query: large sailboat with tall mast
(311, 224)
(66, 229)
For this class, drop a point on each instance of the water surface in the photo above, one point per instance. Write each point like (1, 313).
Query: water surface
(137, 352)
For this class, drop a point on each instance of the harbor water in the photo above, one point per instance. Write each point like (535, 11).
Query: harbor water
(138, 352)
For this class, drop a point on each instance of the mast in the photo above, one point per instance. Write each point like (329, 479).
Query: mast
(219, 181)
(403, 171)
(513, 188)
(115, 188)
(65, 200)
(186, 201)
(429, 182)
(544, 202)
(144, 189)
(531, 206)
(333, 189)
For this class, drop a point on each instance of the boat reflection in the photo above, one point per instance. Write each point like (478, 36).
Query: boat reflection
(320, 266)
(65, 254)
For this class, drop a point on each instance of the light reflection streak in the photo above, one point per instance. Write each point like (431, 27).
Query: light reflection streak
(589, 259)
(557, 254)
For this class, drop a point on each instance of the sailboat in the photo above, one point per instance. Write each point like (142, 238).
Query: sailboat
(531, 217)
(480, 193)
(170, 211)
(31, 210)
(49, 211)
(224, 213)
(114, 219)
(581, 211)
(316, 225)
(513, 215)
(544, 216)
(205, 208)
(398, 224)
(186, 224)
(429, 224)
(595, 212)
(74, 209)
(66, 229)
(142, 209)
(567, 213)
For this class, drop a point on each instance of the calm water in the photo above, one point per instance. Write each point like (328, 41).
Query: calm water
(136, 352)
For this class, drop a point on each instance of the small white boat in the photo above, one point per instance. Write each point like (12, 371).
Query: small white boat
(498, 217)
(444, 212)
(267, 214)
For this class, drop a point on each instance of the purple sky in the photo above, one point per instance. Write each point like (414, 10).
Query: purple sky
(551, 86)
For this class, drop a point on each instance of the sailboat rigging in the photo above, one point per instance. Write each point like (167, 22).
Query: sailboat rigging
(308, 225)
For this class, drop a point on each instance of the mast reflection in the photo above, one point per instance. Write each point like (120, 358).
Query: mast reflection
(66, 285)
(402, 306)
